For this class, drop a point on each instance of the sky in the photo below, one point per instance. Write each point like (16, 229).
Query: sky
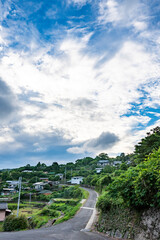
(77, 78)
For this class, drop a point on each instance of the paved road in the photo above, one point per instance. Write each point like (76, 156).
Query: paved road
(69, 230)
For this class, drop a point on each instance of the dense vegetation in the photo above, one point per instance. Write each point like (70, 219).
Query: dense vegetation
(136, 186)
(62, 205)
(133, 183)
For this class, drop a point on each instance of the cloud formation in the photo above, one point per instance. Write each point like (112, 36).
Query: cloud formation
(102, 143)
(84, 74)
(7, 102)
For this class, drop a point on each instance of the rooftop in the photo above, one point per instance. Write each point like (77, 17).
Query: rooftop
(3, 206)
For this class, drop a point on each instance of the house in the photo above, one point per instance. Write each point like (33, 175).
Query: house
(44, 179)
(60, 175)
(39, 185)
(8, 191)
(98, 170)
(116, 163)
(45, 192)
(4, 211)
(103, 163)
(12, 184)
(28, 171)
(76, 180)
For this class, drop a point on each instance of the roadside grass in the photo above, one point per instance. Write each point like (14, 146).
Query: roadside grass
(1, 226)
(85, 193)
(70, 211)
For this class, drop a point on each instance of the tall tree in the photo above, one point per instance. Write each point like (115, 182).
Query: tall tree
(147, 145)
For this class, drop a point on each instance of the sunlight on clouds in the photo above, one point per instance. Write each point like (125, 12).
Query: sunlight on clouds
(124, 14)
(79, 99)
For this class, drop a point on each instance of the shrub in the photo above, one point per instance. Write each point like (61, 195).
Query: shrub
(49, 212)
(105, 202)
(13, 223)
(139, 186)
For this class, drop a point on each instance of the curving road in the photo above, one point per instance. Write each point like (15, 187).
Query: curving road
(73, 229)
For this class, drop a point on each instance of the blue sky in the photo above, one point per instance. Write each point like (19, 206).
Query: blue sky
(77, 78)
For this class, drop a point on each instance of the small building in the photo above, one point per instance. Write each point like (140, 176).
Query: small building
(45, 192)
(76, 180)
(39, 185)
(12, 184)
(60, 175)
(8, 191)
(28, 171)
(4, 211)
(44, 179)
(98, 170)
(116, 163)
(103, 163)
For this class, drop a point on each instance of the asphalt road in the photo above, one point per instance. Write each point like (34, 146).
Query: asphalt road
(72, 229)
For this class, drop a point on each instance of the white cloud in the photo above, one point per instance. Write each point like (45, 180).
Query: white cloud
(124, 13)
(78, 2)
(80, 99)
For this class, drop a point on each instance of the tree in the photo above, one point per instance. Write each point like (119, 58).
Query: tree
(55, 167)
(102, 156)
(147, 145)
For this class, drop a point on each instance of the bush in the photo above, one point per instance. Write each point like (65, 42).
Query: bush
(13, 223)
(105, 202)
(49, 212)
(139, 186)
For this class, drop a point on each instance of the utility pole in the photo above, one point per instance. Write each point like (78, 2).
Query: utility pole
(19, 195)
(71, 172)
(30, 197)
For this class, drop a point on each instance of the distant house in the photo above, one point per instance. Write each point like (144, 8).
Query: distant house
(45, 192)
(8, 191)
(98, 170)
(12, 184)
(4, 211)
(103, 163)
(76, 180)
(39, 185)
(60, 175)
(44, 179)
(29, 171)
(116, 163)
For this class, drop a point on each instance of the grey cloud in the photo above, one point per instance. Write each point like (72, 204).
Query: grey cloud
(104, 141)
(7, 101)
(83, 103)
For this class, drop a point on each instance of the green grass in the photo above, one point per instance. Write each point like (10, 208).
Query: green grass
(85, 193)
(1, 226)
(69, 213)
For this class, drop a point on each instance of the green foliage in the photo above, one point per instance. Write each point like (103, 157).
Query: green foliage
(147, 145)
(105, 202)
(13, 223)
(49, 212)
(139, 186)
(34, 179)
(68, 192)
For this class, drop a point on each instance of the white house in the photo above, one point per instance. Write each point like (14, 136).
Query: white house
(98, 170)
(116, 163)
(76, 180)
(27, 171)
(12, 184)
(103, 163)
(39, 185)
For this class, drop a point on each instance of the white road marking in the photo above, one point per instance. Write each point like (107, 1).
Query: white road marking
(88, 208)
